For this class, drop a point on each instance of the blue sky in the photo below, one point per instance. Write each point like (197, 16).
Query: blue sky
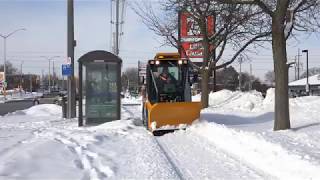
(46, 20)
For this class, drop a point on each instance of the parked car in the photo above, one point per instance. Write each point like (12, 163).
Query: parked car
(58, 99)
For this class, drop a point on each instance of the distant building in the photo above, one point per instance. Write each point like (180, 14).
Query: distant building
(298, 88)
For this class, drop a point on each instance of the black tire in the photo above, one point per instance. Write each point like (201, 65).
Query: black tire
(36, 102)
(146, 118)
(143, 116)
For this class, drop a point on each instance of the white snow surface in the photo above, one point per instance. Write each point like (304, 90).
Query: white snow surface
(313, 80)
(13, 95)
(233, 139)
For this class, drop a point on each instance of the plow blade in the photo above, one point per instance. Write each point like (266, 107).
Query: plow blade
(171, 115)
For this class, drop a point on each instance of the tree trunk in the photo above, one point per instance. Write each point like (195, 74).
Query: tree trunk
(205, 72)
(282, 119)
(214, 74)
(204, 88)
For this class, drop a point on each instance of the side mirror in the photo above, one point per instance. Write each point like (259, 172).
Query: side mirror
(195, 78)
(141, 80)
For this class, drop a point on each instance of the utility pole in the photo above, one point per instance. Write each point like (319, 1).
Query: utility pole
(250, 80)
(307, 85)
(295, 68)
(30, 78)
(49, 78)
(42, 77)
(117, 28)
(71, 105)
(5, 58)
(299, 63)
(240, 76)
(21, 75)
(53, 75)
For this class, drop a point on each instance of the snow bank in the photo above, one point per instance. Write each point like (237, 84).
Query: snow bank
(269, 99)
(44, 110)
(251, 148)
(219, 97)
(196, 98)
(131, 100)
(236, 100)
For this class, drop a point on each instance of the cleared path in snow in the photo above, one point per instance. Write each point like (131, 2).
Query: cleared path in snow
(196, 158)
(193, 157)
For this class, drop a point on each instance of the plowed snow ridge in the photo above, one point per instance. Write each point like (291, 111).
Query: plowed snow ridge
(255, 150)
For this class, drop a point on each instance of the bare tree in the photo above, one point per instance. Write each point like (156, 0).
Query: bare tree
(10, 69)
(270, 77)
(312, 71)
(286, 17)
(236, 27)
(129, 79)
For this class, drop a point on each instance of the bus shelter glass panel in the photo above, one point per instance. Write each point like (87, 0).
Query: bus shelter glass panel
(100, 92)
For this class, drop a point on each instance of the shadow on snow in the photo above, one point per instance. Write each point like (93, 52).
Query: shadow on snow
(227, 119)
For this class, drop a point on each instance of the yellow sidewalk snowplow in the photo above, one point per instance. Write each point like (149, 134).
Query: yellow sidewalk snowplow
(168, 104)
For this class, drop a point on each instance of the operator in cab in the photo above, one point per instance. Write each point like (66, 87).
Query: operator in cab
(166, 84)
(165, 77)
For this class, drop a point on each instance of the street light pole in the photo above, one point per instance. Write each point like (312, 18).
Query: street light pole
(307, 85)
(4, 58)
(49, 77)
(5, 49)
(21, 75)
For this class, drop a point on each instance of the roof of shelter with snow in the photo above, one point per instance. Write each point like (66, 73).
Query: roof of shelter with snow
(313, 80)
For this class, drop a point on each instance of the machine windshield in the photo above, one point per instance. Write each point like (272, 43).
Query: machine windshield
(167, 76)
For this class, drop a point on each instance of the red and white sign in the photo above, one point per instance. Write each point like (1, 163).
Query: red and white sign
(142, 69)
(193, 50)
(1, 76)
(191, 36)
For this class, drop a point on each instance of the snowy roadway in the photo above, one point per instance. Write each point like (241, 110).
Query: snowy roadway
(233, 140)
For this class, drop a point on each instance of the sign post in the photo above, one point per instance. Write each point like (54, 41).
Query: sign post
(142, 72)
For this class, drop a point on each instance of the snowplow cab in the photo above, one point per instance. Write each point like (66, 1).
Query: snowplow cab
(168, 105)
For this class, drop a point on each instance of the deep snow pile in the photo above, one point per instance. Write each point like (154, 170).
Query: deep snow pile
(44, 110)
(236, 100)
(290, 154)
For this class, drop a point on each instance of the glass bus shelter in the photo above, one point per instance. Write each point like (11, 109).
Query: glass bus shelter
(99, 87)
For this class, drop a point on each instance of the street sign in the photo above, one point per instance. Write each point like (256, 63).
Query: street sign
(142, 72)
(66, 70)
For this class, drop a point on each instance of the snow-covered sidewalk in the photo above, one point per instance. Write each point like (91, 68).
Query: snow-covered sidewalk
(36, 144)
